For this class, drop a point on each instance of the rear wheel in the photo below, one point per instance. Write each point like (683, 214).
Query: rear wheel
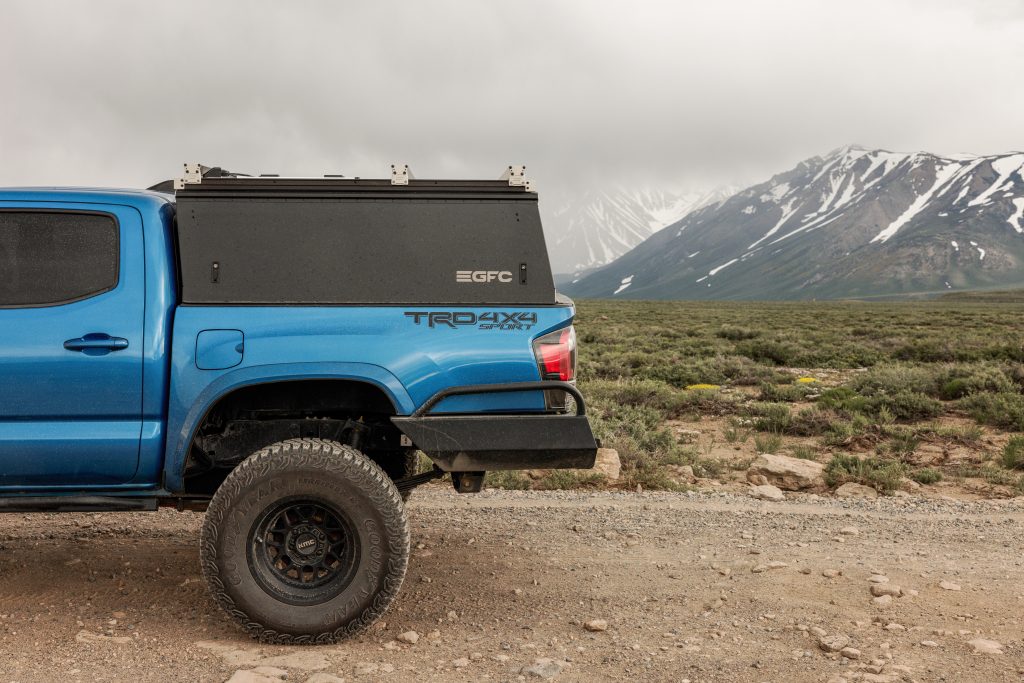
(305, 542)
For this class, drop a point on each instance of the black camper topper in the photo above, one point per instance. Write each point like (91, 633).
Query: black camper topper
(334, 240)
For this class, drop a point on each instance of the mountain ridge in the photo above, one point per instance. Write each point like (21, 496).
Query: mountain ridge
(853, 222)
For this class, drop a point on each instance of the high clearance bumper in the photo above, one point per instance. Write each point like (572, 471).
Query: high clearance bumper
(486, 442)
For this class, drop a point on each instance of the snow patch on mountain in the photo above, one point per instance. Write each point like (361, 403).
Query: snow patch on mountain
(942, 175)
(1015, 219)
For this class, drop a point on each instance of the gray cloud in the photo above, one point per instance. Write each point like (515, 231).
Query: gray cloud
(695, 92)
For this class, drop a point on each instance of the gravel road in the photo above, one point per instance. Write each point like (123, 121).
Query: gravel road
(566, 586)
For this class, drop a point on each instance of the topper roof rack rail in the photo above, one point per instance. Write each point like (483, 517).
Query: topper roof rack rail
(199, 180)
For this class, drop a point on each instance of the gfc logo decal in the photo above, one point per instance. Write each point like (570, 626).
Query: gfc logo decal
(479, 276)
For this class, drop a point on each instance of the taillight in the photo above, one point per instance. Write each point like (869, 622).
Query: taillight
(556, 354)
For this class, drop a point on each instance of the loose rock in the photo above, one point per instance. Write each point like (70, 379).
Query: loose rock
(789, 474)
(986, 647)
(767, 492)
(833, 643)
(608, 463)
(949, 585)
(544, 667)
(409, 637)
(879, 589)
(596, 625)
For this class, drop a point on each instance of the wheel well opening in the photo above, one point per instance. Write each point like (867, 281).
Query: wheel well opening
(248, 419)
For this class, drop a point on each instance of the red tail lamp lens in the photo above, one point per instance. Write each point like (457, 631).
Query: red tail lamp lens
(556, 354)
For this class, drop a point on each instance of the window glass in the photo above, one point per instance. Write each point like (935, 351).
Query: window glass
(52, 258)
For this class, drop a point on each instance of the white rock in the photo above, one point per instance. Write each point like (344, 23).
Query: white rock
(878, 578)
(89, 637)
(929, 643)
(409, 637)
(833, 643)
(880, 589)
(460, 663)
(596, 625)
(789, 474)
(850, 653)
(767, 492)
(608, 463)
(544, 667)
(852, 490)
(986, 647)
(882, 600)
(949, 585)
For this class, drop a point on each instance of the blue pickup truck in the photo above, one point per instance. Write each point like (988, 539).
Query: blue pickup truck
(278, 352)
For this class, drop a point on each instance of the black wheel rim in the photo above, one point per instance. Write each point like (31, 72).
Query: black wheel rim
(304, 552)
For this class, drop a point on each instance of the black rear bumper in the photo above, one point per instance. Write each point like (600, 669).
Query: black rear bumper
(486, 442)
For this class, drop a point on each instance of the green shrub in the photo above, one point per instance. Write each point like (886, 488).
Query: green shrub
(901, 404)
(954, 389)
(926, 475)
(787, 393)
(768, 443)
(901, 445)
(803, 452)
(812, 421)
(770, 417)
(770, 351)
(1002, 409)
(883, 475)
(734, 333)
(507, 479)
(1013, 453)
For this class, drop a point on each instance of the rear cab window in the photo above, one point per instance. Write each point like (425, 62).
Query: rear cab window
(50, 258)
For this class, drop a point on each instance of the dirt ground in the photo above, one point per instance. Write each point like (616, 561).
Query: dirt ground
(693, 587)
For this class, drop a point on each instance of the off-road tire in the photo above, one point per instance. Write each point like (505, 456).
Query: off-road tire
(282, 476)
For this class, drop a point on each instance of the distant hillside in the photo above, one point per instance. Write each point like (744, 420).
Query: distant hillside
(594, 228)
(853, 223)
(1004, 296)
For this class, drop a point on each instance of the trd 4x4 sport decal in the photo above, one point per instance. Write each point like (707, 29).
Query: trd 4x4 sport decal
(491, 320)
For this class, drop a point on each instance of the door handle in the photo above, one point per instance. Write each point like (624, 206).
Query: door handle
(96, 344)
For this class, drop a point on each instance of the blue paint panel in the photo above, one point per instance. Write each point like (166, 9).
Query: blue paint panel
(219, 349)
(69, 411)
(379, 345)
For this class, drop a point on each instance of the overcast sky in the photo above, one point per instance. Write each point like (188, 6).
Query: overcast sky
(695, 93)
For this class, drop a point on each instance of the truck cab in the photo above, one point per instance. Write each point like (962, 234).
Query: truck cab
(280, 351)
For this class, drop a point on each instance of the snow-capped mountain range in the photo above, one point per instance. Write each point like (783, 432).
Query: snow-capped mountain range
(853, 223)
(594, 228)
